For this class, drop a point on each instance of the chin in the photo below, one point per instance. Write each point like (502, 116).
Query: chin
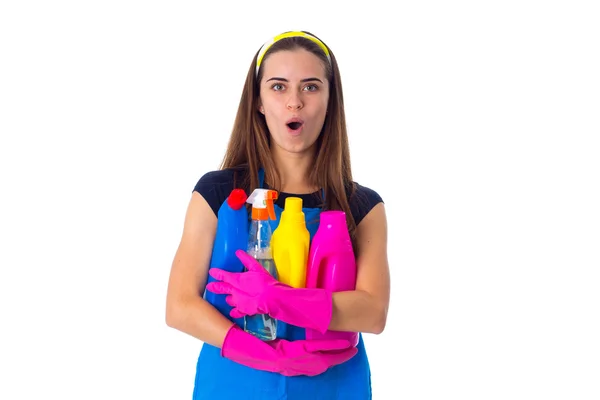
(297, 148)
(294, 144)
(304, 148)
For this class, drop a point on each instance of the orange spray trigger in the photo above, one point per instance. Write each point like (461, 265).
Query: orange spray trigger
(262, 203)
(269, 199)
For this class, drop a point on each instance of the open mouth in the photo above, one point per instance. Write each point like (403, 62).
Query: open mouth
(294, 125)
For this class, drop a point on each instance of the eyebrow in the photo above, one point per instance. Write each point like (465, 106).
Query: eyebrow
(285, 80)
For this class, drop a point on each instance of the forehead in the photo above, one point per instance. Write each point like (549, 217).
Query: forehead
(291, 64)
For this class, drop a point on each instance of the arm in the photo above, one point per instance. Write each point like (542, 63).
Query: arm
(186, 310)
(365, 309)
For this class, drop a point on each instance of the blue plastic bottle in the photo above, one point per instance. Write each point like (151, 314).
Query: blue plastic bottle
(232, 235)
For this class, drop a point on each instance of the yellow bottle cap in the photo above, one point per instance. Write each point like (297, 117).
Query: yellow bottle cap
(292, 210)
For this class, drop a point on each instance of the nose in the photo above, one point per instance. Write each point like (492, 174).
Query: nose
(294, 103)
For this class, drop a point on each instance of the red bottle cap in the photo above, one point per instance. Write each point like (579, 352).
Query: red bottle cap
(237, 199)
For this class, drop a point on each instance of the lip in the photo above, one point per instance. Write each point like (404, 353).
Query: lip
(295, 119)
(294, 132)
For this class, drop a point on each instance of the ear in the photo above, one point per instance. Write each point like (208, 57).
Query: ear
(260, 107)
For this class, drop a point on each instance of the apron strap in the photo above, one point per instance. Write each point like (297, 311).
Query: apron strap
(261, 177)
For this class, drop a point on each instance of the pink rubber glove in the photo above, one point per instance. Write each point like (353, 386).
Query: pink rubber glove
(257, 292)
(300, 357)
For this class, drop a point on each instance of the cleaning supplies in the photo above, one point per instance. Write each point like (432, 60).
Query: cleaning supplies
(260, 293)
(290, 244)
(231, 235)
(259, 246)
(332, 265)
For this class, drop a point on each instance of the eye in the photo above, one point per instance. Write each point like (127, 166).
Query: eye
(311, 88)
(277, 87)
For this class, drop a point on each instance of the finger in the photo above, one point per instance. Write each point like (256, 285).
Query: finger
(225, 276)
(230, 300)
(249, 262)
(315, 371)
(219, 288)
(326, 345)
(236, 313)
(339, 357)
(302, 371)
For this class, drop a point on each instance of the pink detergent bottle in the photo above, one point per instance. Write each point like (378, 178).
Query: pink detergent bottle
(332, 265)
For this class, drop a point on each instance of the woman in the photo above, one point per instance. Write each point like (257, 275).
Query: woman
(289, 135)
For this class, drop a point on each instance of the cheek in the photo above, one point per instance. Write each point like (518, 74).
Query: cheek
(271, 118)
(323, 107)
(271, 108)
(322, 113)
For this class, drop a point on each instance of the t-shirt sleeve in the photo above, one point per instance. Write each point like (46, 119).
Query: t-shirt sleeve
(215, 186)
(362, 202)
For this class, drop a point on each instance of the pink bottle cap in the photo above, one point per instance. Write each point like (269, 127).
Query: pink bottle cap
(334, 221)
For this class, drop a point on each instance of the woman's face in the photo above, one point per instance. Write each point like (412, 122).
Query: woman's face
(294, 93)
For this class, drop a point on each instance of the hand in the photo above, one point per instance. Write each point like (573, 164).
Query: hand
(257, 292)
(300, 357)
(311, 357)
(248, 291)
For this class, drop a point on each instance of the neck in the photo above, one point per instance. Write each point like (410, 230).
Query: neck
(293, 171)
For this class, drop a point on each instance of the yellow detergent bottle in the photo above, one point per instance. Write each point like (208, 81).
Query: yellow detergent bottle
(290, 244)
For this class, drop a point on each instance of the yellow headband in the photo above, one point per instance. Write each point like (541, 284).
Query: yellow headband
(270, 43)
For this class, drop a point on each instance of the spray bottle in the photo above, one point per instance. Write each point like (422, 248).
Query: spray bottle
(231, 235)
(259, 246)
(332, 265)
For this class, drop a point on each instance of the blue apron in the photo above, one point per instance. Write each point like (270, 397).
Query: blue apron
(218, 378)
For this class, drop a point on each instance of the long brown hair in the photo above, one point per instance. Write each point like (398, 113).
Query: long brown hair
(249, 143)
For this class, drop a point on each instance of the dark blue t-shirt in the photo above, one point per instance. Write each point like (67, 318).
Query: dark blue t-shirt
(215, 187)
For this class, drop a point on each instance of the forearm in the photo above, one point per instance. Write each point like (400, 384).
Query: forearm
(256, 292)
(198, 318)
(358, 311)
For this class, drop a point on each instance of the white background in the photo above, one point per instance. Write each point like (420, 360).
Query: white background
(477, 122)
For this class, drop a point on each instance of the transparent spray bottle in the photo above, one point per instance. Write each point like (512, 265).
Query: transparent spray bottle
(259, 246)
